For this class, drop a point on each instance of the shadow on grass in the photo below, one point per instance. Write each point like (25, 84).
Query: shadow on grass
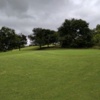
(36, 48)
(49, 48)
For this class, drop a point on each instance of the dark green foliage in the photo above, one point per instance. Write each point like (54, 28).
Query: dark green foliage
(75, 33)
(38, 35)
(49, 36)
(98, 28)
(7, 37)
(9, 40)
(96, 37)
(20, 41)
(43, 37)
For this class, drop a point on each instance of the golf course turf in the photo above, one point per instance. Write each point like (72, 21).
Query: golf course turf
(65, 74)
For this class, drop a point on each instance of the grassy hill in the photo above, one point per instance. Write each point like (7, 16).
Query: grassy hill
(50, 74)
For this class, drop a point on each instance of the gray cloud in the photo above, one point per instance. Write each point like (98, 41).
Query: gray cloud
(24, 15)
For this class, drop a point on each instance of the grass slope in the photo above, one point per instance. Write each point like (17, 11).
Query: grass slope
(50, 75)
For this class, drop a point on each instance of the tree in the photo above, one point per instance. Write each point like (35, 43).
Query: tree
(20, 41)
(54, 38)
(9, 40)
(75, 33)
(65, 36)
(7, 37)
(96, 36)
(96, 39)
(43, 37)
(49, 36)
(37, 36)
(97, 28)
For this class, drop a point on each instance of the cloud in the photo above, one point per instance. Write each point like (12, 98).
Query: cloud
(24, 15)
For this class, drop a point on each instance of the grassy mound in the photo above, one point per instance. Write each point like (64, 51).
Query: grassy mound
(50, 74)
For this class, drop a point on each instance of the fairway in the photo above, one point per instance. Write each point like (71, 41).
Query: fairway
(64, 74)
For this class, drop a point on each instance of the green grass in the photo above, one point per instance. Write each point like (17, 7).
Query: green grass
(50, 74)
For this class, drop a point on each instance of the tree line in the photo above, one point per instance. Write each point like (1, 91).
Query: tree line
(73, 33)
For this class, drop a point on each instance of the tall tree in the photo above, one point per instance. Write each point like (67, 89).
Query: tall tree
(9, 40)
(38, 36)
(49, 36)
(43, 37)
(75, 33)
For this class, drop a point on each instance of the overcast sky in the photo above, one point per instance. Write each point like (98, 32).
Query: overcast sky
(24, 15)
